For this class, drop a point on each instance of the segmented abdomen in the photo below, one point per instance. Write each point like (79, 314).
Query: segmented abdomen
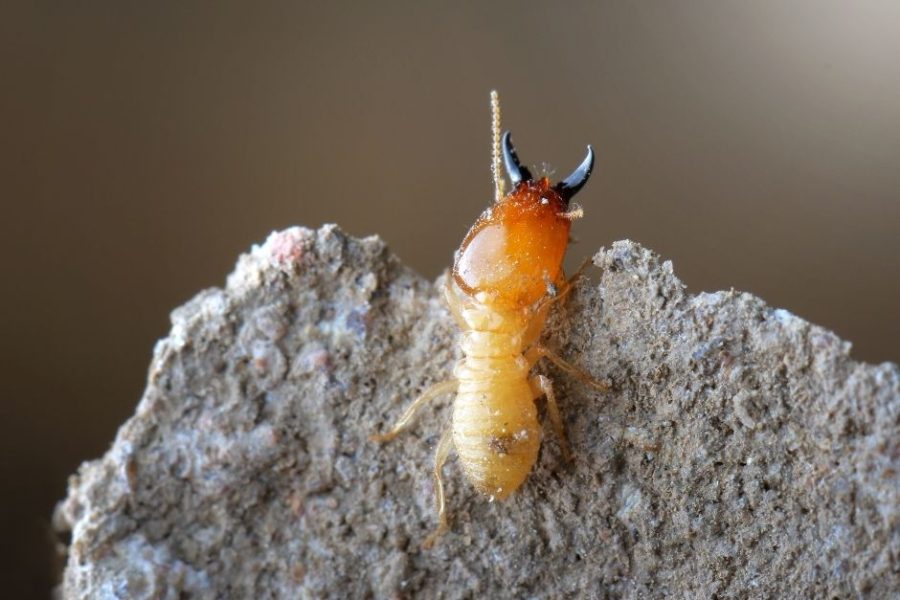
(495, 428)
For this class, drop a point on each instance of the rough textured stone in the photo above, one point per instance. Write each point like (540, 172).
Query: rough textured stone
(740, 453)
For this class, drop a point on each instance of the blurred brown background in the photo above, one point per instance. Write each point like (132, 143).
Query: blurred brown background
(145, 146)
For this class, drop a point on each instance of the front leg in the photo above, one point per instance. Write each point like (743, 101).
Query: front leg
(452, 300)
(554, 295)
(563, 289)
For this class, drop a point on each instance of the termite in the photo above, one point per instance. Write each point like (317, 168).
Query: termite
(506, 276)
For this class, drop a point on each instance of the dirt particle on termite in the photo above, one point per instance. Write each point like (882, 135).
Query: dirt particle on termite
(500, 444)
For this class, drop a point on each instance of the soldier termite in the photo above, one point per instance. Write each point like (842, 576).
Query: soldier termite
(507, 274)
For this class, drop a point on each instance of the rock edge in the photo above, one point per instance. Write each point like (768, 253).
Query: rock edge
(741, 452)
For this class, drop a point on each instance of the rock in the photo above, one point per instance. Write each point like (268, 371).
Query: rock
(740, 453)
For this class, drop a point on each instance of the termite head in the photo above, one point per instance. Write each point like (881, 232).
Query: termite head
(515, 249)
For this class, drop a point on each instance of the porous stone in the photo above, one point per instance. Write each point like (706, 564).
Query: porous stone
(740, 453)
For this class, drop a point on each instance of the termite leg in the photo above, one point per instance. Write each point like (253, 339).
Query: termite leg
(542, 386)
(533, 333)
(452, 303)
(567, 286)
(536, 352)
(438, 389)
(440, 457)
(573, 280)
(540, 311)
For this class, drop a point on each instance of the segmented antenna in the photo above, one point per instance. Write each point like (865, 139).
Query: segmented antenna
(499, 183)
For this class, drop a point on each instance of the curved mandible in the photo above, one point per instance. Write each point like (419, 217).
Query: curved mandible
(514, 168)
(569, 186)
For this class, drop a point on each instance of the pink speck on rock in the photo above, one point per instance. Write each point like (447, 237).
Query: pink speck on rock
(286, 248)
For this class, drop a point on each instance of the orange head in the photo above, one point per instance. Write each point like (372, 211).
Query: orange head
(515, 249)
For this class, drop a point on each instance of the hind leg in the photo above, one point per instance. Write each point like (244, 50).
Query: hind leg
(440, 458)
(542, 386)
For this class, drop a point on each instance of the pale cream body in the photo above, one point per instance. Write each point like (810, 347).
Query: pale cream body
(495, 427)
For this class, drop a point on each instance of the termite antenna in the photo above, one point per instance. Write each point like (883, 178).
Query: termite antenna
(499, 192)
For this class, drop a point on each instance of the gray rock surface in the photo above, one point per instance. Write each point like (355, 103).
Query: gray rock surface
(740, 454)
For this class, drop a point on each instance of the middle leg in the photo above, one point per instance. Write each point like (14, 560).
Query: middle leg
(537, 352)
(438, 389)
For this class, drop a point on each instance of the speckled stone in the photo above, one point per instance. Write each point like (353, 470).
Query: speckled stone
(741, 453)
